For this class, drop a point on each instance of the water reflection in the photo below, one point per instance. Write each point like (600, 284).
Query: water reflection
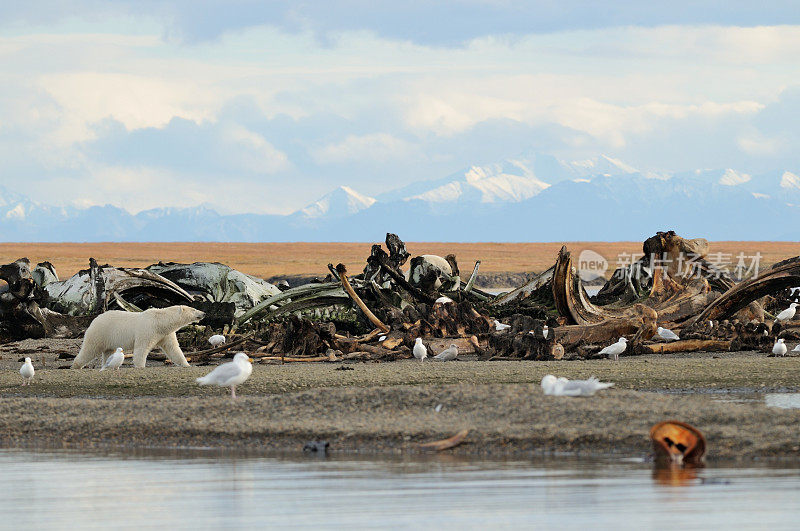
(200, 489)
(783, 400)
(675, 476)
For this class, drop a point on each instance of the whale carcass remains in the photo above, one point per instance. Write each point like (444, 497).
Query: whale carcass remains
(35, 303)
(379, 312)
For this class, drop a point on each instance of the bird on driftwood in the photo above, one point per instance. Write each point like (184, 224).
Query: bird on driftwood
(788, 313)
(448, 354)
(545, 330)
(500, 326)
(667, 334)
(27, 372)
(420, 352)
(115, 360)
(779, 348)
(216, 340)
(230, 374)
(615, 349)
(563, 387)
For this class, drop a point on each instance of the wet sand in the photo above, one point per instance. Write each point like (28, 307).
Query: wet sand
(390, 407)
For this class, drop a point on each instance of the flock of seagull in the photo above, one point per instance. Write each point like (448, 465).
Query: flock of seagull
(236, 372)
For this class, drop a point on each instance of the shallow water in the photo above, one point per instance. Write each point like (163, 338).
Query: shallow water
(200, 490)
(779, 400)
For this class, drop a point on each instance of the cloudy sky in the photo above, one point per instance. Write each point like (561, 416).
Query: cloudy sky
(263, 106)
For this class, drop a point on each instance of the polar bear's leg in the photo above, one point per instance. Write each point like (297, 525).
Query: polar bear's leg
(141, 348)
(173, 350)
(85, 356)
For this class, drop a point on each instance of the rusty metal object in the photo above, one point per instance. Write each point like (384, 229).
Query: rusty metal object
(678, 443)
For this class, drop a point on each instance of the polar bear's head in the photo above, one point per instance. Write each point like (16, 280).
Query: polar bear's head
(191, 315)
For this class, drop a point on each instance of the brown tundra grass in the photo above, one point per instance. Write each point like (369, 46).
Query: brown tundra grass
(269, 259)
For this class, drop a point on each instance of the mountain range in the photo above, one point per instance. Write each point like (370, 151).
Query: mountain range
(533, 197)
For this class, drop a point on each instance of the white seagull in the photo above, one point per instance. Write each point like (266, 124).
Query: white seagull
(500, 326)
(796, 348)
(420, 352)
(563, 387)
(216, 340)
(544, 331)
(230, 374)
(443, 300)
(115, 360)
(667, 334)
(615, 349)
(27, 372)
(779, 348)
(788, 313)
(448, 354)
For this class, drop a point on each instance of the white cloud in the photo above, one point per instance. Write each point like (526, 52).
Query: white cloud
(252, 152)
(133, 100)
(615, 88)
(376, 147)
(759, 145)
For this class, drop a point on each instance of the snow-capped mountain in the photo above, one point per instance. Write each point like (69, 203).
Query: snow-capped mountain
(533, 197)
(343, 201)
(511, 180)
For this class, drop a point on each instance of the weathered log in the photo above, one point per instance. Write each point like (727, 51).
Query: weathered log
(688, 345)
(610, 330)
(445, 444)
(341, 270)
(285, 359)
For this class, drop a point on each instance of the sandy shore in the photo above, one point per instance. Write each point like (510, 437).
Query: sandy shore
(390, 407)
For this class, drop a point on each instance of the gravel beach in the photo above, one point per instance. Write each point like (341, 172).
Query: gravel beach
(391, 407)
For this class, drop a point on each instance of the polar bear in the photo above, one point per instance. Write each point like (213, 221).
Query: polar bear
(139, 332)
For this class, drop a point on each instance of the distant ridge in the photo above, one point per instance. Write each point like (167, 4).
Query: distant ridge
(530, 197)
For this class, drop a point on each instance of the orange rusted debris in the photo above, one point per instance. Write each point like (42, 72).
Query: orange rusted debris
(678, 443)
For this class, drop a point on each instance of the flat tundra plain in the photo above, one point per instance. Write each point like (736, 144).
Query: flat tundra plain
(267, 260)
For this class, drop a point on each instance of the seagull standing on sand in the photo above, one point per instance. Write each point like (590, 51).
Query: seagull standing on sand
(27, 372)
(563, 387)
(216, 340)
(615, 349)
(796, 348)
(667, 334)
(449, 354)
(788, 313)
(115, 360)
(230, 374)
(420, 352)
(500, 326)
(779, 348)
